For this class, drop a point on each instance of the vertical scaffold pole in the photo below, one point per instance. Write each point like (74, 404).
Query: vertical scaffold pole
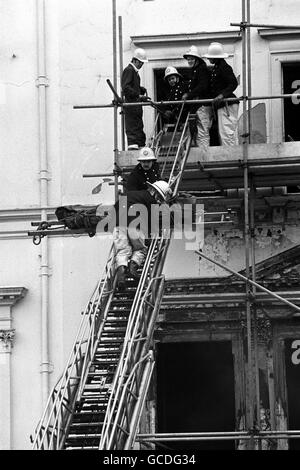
(252, 234)
(250, 420)
(249, 74)
(254, 310)
(114, 21)
(121, 69)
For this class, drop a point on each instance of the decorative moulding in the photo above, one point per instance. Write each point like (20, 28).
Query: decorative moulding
(10, 295)
(275, 33)
(186, 39)
(7, 337)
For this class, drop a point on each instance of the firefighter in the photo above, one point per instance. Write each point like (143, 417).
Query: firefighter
(223, 84)
(146, 171)
(176, 91)
(129, 241)
(134, 92)
(198, 88)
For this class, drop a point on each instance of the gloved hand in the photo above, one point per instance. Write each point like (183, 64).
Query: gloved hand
(185, 96)
(143, 98)
(143, 90)
(217, 101)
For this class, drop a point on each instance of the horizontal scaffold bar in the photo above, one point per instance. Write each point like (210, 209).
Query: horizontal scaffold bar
(245, 24)
(204, 101)
(206, 436)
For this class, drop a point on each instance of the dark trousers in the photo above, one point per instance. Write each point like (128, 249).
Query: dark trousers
(134, 126)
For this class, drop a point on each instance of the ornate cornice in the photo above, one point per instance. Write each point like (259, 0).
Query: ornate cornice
(10, 295)
(185, 39)
(276, 33)
(7, 337)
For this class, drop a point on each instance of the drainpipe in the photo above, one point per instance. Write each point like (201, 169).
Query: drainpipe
(44, 177)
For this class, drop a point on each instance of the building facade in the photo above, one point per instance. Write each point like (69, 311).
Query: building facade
(58, 54)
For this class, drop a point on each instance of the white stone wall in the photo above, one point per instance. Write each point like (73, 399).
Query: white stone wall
(78, 62)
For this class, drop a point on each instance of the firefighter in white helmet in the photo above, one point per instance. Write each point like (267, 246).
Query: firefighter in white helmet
(177, 87)
(199, 89)
(223, 84)
(134, 92)
(146, 171)
(134, 225)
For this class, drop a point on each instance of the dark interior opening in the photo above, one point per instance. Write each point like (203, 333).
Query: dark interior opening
(292, 364)
(291, 107)
(195, 391)
(291, 84)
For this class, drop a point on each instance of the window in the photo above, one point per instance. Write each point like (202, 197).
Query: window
(291, 84)
(195, 391)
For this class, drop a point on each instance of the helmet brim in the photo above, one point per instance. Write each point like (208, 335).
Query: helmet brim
(220, 56)
(150, 159)
(175, 75)
(191, 55)
(163, 195)
(141, 60)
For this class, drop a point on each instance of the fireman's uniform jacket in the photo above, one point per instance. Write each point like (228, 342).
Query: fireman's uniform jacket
(131, 89)
(199, 83)
(175, 94)
(138, 178)
(223, 81)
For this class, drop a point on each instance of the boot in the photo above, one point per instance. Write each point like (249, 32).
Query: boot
(133, 267)
(121, 278)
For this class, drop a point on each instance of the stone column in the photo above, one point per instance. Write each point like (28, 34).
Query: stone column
(8, 297)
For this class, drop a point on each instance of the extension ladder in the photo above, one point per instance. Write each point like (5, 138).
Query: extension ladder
(98, 400)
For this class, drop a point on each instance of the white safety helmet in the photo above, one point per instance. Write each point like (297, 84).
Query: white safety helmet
(162, 188)
(215, 51)
(171, 71)
(140, 55)
(193, 51)
(146, 154)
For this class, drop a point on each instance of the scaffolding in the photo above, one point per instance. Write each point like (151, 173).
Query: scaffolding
(254, 434)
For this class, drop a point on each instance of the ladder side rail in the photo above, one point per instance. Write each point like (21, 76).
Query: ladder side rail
(93, 343)
(118, 376)
(140, 404)
(180, 145)
(110, 441)
(146, 345)
(140, 289)
(183, 162)
(74, 358)
(85, 369)
(91, 323)
(155, 135)
(147, 319)
(133, 345)
(173, 137)
(147, 316)
(138, 294)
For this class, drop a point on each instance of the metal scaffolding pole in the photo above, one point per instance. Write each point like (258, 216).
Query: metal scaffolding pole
(245, 135)
(248, 280)
(255, 337)
(203, 101)
(114, 23)
(249, 74)
(121, 69)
